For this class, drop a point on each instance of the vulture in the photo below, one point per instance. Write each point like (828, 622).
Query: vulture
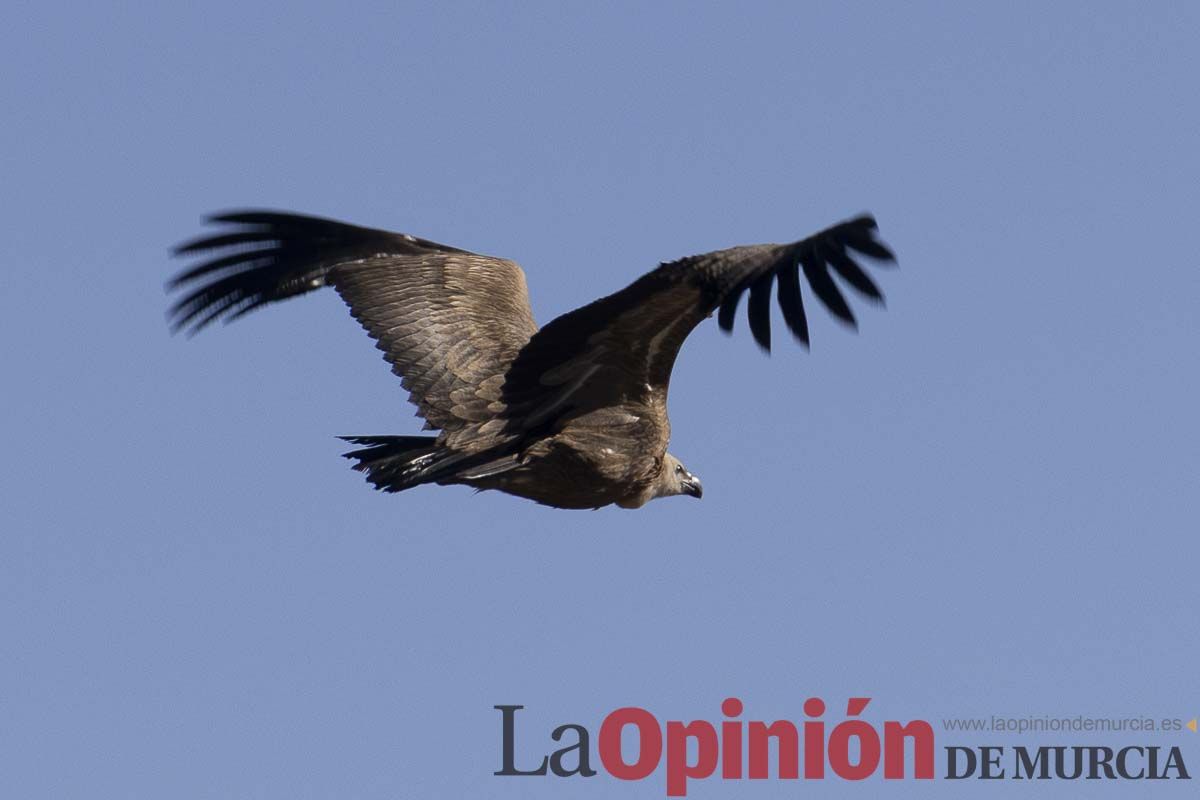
(572, 415)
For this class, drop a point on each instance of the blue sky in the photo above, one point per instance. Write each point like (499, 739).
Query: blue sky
(984, 502)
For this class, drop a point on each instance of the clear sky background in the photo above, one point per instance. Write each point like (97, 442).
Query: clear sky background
(985, 502)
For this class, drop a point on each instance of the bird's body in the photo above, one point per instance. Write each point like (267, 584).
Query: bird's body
(573, 415)
(602, 457)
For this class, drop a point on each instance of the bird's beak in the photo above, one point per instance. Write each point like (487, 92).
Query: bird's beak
(693, 487)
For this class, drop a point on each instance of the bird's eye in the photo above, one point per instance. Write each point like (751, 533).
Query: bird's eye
(678, 469)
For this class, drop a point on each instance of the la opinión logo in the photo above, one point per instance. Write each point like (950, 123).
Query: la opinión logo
(632, 744)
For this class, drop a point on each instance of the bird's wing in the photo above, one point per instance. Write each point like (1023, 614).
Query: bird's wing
(622, 347)
(450, 322)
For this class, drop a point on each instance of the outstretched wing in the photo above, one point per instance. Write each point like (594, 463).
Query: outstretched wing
(450, 322)
(622, 347)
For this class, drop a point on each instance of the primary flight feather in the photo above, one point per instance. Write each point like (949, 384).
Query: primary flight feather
(573, 415)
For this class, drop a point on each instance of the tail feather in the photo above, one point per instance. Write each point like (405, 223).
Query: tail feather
(396, 463)
(393, 463)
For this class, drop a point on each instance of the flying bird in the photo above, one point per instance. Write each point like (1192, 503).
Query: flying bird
(572, 415)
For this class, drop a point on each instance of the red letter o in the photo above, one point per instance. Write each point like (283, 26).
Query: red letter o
(649, 743)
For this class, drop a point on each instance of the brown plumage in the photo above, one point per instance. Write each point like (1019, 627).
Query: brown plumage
(573, 415)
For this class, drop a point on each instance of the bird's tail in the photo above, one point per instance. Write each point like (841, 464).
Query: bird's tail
(394, 463)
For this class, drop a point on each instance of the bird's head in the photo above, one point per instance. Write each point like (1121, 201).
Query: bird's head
(675, 479)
